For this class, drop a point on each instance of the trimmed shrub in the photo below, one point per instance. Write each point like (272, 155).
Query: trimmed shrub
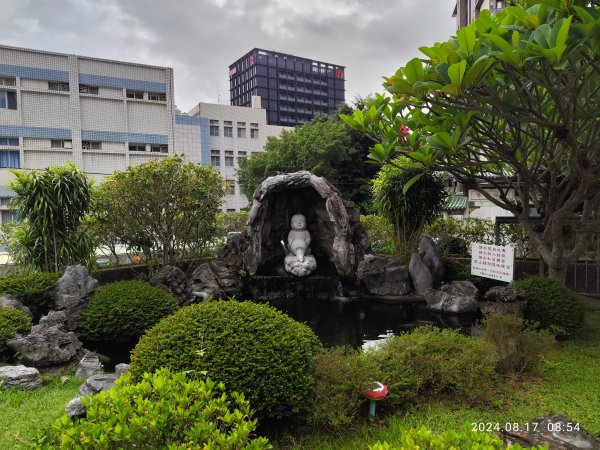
(252, 348)
(519, 345)
(341, 374)
(162, 410)
(550, 303)
(422, 438)
(37, 291)
(12, 321)
(433, 361)
(122, 311)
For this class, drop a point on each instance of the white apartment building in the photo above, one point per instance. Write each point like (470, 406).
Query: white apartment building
(103, 115)
(466, 11)
(234, 132)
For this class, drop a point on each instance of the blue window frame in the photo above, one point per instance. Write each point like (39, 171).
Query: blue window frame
(12, 142)
(10, 159)
(3, 100)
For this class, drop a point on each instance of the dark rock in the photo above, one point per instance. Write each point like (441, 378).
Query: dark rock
(97, 383)
(73, 292)
(120, 369)
(8, 301)
(503, 309)
(173, 280)
(420, 274)
(458, 297)
(89, 365)
(556, 431)
(46, 346)
(75, 408)
(54, 318)
(430, 253)
(20, 376)
(382, 275)
(217, 278)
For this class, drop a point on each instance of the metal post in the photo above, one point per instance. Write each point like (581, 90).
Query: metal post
(372, 411)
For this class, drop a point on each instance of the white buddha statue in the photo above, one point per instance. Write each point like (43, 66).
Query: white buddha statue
(299, 262)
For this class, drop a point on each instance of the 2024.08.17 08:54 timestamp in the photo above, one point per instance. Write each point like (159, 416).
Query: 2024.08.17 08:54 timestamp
(489, 427)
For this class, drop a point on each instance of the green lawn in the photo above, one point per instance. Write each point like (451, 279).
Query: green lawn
(23, 414)
(569, 383)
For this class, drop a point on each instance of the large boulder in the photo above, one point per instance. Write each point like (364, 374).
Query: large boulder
(173, 280)
(502, 300)
(46, 346)
(92, 386)
(421, 276)
(556, 431)
(89, 365)
(8, 301)
(73, 292)
(458, 297)
(20, 376)
(430, 253)
(217, 278)
(382, 275)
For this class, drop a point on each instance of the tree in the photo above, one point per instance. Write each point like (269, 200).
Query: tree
(325, 147)
(165, 208)
(511, 102)
(51, 204)
(407, 211)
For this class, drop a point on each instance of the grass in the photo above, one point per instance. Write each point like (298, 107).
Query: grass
(23, 414)
(567, 383)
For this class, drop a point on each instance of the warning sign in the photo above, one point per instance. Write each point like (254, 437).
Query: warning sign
(493, 261)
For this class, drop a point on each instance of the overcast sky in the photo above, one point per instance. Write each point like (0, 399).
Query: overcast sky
(200, 38)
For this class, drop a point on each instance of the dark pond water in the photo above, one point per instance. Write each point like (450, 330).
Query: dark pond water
(361, 322)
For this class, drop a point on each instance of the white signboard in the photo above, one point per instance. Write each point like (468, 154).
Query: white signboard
(493, 261)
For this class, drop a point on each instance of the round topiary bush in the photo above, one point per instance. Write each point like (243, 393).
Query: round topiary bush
(12, 321)
(252, 348)
(35, 290)
(123, 311)
(164, 410)
(550, 303)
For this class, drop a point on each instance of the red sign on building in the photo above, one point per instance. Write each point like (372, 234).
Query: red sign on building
(339, 73)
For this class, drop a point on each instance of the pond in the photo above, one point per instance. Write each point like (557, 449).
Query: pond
(361, 322)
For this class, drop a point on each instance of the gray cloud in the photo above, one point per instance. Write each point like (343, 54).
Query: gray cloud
(200, 38)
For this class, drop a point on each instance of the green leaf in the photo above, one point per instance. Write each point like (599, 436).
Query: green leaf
(414, 70)
(411, 182)
(456, 72)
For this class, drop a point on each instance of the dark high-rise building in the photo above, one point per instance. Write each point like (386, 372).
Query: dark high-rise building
(292, 89)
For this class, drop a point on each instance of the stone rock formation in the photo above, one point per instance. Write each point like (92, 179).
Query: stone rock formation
(426, 266)
(502, 300)
(458, 297)
(89, 365)
(420, 274)
(73, 292)
(556, 431)
(173, 280)
(382, 275)
(20, 376)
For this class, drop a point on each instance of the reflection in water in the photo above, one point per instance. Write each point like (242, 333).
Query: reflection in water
(364, 322)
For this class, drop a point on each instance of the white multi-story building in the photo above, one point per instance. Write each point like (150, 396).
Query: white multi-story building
(102, 115)
(234, 132)
(106, 115)
(466, 11)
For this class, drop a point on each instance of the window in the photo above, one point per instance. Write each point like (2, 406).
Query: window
(253, 133)
(9, 216)
(499, 4)
(229, 158)
(230, 209)
(159, 148)
(84, 89)
(227, 131)
(4, 201)
(214, 127)
(4, 81)
(8, 100)
(241, 155)
(215, 158)
(10, 159)
(138, 95)
(54, 143)
(91, 145)
(137, 147)
(63, 87)
(230, 187)
(157, 96)
(10, 142)
(241, 131)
